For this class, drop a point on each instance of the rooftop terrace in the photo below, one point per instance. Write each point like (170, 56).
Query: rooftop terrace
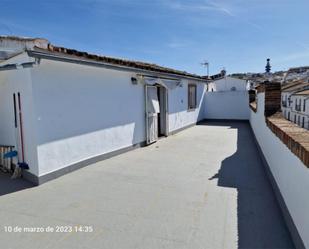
(202, 188)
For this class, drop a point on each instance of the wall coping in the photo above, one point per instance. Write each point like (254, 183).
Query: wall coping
(293, 136)
(260, 88)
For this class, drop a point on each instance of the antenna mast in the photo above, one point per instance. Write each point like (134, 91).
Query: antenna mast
(206, 64)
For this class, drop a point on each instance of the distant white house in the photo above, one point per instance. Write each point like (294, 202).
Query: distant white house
(300, 109)
(77, 108)
(295, 103)
(296, 73)
(226, 84)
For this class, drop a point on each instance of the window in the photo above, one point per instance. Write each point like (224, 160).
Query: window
(303, 124)
(191, 97)
(304, 105)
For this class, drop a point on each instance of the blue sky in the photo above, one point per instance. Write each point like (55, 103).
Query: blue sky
(237, 34)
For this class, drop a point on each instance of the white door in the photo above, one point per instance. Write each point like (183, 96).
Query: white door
(152, 110)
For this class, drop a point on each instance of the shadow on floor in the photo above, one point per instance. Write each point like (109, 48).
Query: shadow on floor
(8, 185)
(260, 221)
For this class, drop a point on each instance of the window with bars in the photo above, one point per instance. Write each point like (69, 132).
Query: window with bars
(191, 96)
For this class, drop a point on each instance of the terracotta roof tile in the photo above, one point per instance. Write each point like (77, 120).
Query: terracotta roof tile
(294, 86)
(293, 136)
(116, 61)
(305, 92)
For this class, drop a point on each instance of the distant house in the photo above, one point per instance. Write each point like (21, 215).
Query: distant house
(301, 108)
(226, 84)
(77, 108)
(295, 102)
(296, 73)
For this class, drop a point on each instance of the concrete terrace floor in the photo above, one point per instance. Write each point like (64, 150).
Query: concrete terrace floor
(202, 188)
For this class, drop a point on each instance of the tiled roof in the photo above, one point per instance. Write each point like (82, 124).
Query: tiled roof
(298, 69)
(114, 61)
(42, 45)
(294, 86)
(305, 92)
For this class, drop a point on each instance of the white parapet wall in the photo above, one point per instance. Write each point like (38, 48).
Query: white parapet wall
(227, 105)
(289, 172)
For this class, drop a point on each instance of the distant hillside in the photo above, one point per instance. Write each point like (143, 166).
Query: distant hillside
(295, 73)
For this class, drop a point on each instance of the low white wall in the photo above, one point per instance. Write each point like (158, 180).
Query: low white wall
(227, 105)
(291, 175)
(227, 84)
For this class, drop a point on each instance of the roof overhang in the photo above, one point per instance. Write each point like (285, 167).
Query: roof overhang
(49, 55)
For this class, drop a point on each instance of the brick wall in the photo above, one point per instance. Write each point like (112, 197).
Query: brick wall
(272, 98)
(293, 136)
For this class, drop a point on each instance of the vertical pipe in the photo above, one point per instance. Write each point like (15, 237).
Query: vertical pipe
(146, 114)
(166, 112)
(1, 156)
(16, 126)
(15, 113)
(21, 128)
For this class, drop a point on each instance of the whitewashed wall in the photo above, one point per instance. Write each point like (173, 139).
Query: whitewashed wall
(227, 105)
(14, 81)
(226, 84)
(291, 175)
(298, 116)
(179, 115)
(7, 135)
(83, 112)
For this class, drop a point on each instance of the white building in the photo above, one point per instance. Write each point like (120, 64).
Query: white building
(295, 103)
(296, 73)
(79, 108)
(300, 109)
(226, 84)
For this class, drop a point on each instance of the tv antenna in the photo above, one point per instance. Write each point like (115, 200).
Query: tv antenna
(206, 64)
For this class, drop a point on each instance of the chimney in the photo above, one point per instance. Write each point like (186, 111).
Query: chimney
(272, 98)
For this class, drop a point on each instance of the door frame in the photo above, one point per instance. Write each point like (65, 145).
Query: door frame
(164, 108)
(165, 91)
